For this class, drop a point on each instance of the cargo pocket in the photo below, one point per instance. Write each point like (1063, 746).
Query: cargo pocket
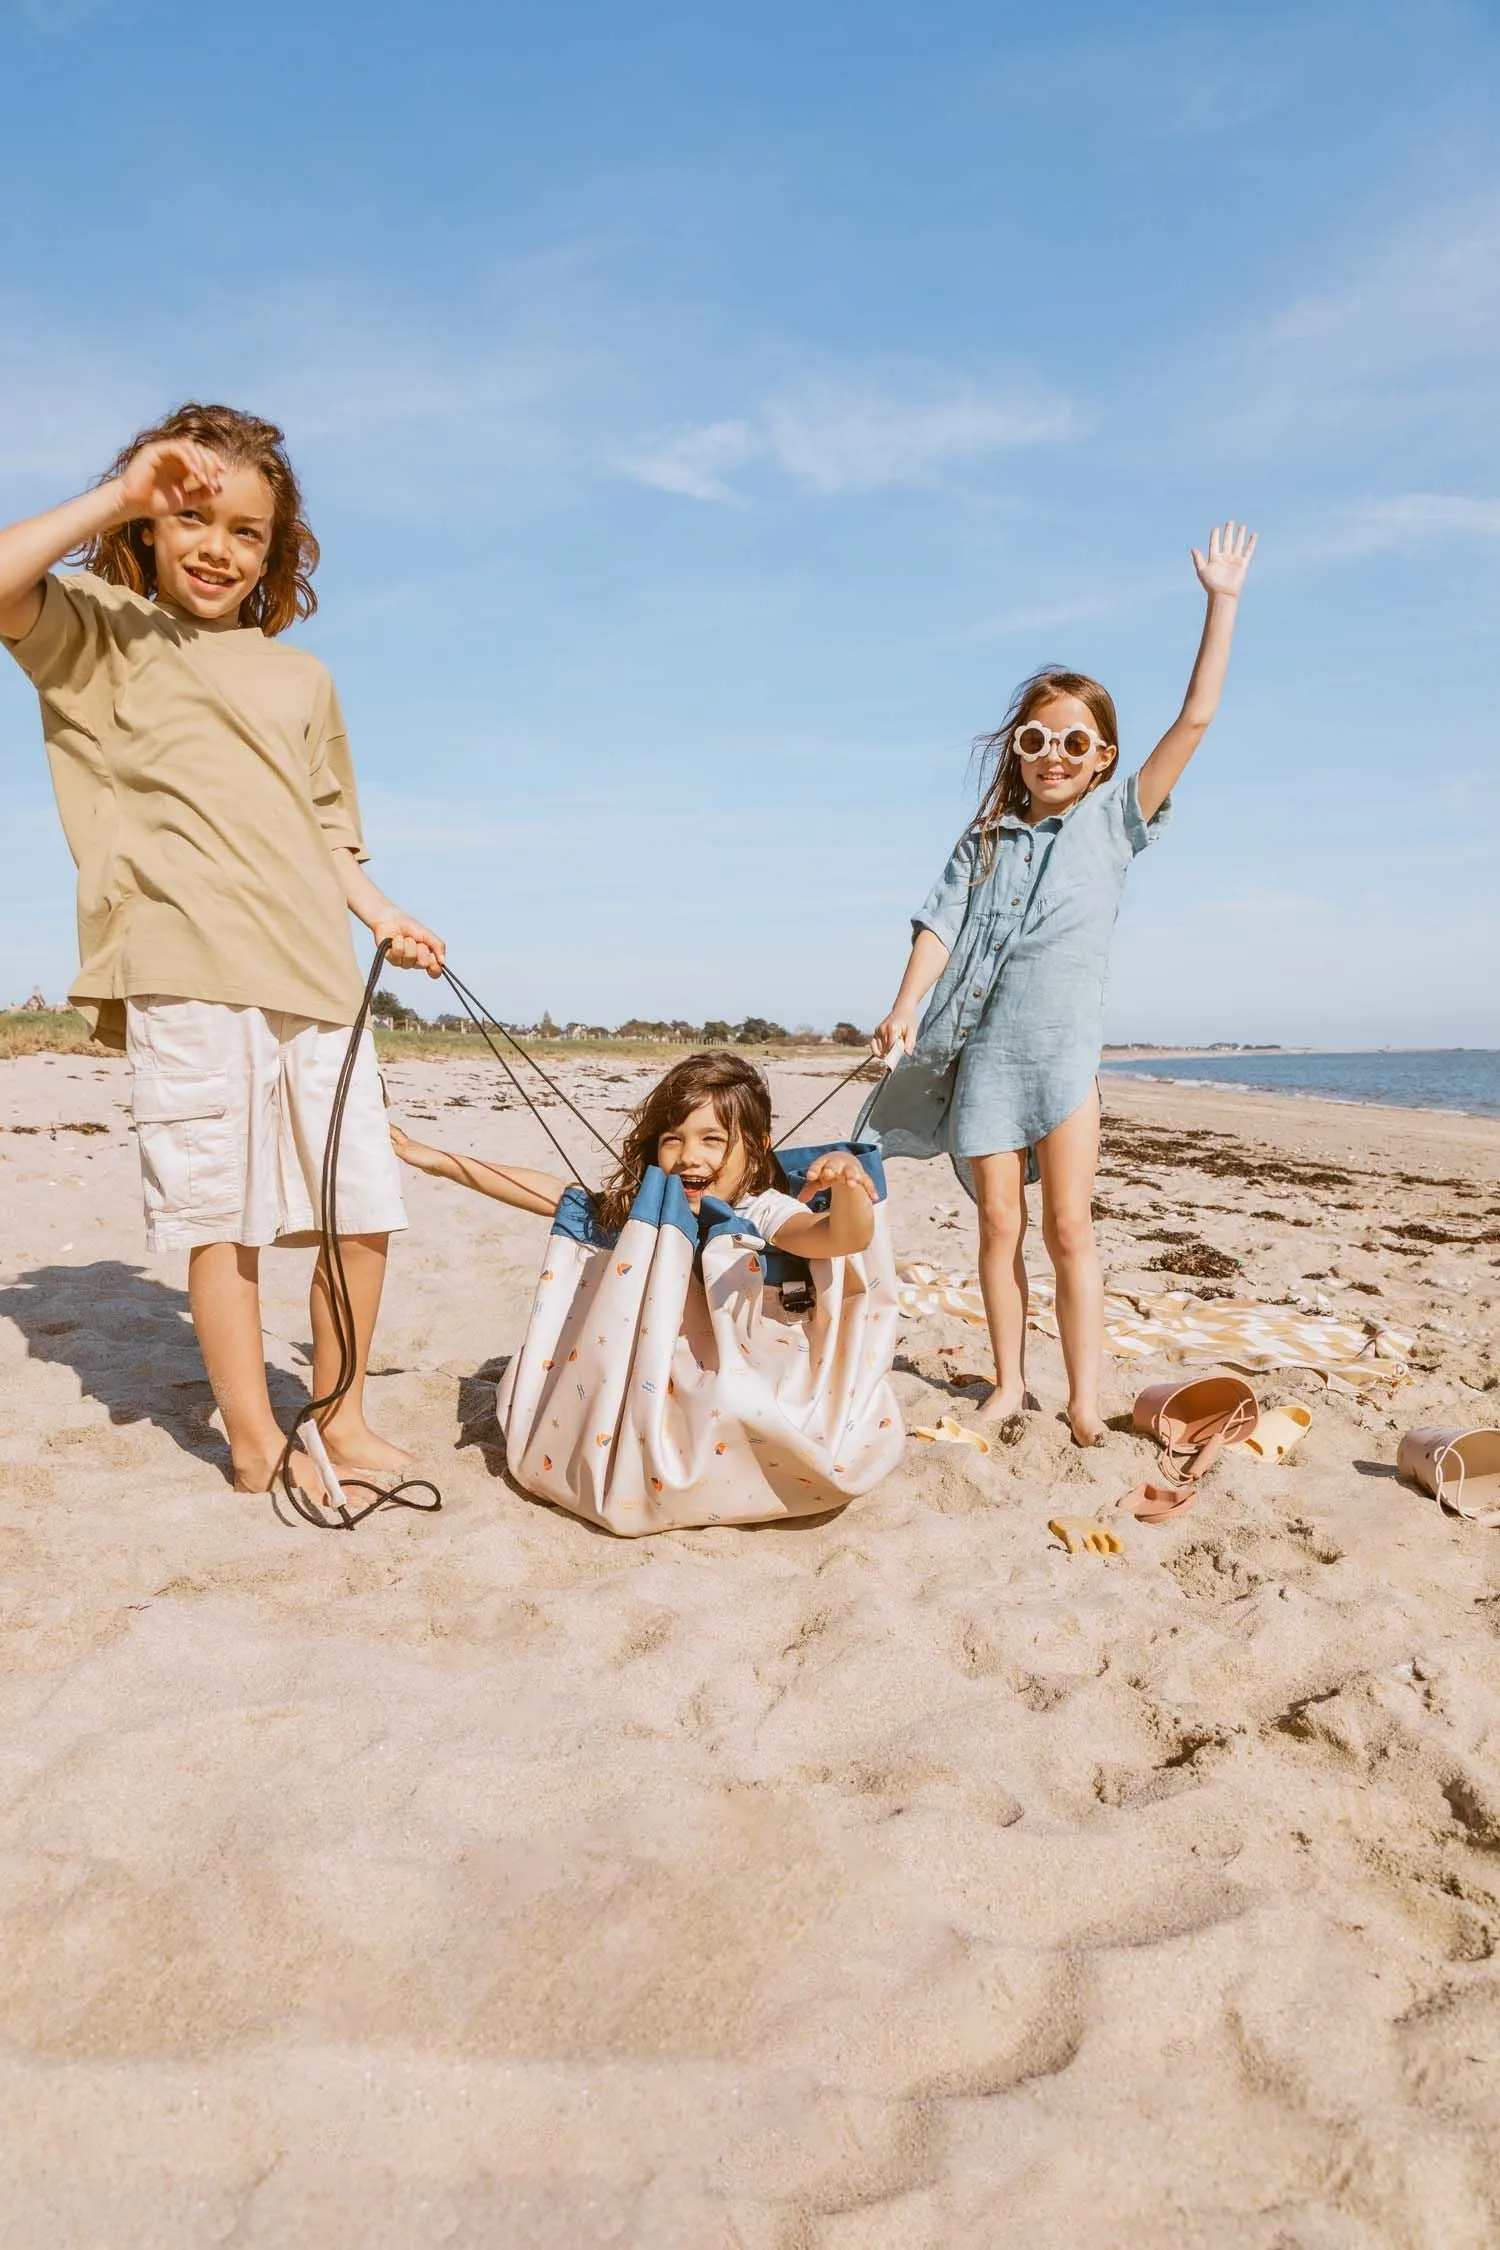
(186, 1136)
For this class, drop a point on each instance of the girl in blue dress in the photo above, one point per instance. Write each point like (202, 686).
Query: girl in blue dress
(1015, 936)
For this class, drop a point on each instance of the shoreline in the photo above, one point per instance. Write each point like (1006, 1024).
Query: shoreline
(1375, 1135)
(1243, 1088)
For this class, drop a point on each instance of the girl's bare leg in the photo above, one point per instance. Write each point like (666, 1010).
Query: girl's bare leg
(1068, 1158)
(351, 1443)
(1000, 1188)
(224, 1293)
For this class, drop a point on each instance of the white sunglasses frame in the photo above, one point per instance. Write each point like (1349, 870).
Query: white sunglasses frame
(1054, 741)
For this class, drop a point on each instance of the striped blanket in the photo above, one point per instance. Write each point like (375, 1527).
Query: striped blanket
(1223, 1331)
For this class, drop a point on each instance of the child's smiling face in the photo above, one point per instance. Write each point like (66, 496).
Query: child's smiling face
(704, 1155)
(1053, 781)
(210, 557)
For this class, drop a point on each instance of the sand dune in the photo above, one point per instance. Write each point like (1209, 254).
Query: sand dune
(887, 1883)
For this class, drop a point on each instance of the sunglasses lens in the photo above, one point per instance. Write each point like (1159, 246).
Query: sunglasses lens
(1077, 743)
(1030, 741)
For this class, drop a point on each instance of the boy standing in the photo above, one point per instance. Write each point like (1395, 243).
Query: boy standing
(206, 789)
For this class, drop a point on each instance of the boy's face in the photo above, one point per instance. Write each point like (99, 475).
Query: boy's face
(704, 1155)
(210, 557)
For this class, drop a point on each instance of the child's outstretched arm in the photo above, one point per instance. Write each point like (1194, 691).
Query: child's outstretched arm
(160, 480)
(849, 1222)
(1221, 573)
(522, 1189)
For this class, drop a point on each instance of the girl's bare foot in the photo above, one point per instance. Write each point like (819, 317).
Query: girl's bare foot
(1002, 1404)
(1086, 1425)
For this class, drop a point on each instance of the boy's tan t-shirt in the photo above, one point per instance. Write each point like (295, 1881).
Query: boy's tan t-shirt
(204, 779)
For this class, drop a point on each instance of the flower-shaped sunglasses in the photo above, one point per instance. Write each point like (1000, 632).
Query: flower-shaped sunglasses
(1033, 741)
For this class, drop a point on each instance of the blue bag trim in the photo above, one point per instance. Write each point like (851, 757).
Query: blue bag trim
(662, 1203)
(659, 1203)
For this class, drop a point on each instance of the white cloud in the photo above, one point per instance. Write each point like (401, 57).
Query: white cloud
(692, 462)
(1412, 337)
(858, 434)
(1045, 617)
(1407, 519)
(854, 437)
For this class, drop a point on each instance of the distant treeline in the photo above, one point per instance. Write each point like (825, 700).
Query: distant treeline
(392, 1014)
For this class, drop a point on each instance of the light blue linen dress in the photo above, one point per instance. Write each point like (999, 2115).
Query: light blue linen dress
(1010, 1041)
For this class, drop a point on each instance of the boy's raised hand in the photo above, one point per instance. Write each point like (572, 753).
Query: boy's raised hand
(168, 475)
(413, 945)
(1223, 569)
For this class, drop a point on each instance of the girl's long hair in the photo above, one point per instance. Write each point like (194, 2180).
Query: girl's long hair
(741, 1102)
(1002, 789)
(284, 591)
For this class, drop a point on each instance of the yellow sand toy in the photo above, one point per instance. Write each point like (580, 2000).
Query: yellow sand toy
(1081, 1535)
(1275, 1434)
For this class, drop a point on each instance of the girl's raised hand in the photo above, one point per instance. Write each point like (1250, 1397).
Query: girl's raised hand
(168, 475)
(1223, 569)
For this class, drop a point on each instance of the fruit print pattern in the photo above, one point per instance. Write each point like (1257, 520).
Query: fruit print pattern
(718, 1389)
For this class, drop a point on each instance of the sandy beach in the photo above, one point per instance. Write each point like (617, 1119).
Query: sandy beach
(891, 1882)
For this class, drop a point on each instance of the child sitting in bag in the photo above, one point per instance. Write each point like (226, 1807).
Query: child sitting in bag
(707, 1124)
(667, 1376)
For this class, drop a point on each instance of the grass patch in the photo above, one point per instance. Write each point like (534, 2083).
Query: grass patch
(62, 1031)
(462, 1046)
(45, 1031)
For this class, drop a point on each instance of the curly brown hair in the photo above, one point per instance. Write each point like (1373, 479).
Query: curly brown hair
(1002, 788)
(284, 592)
(742, 1103)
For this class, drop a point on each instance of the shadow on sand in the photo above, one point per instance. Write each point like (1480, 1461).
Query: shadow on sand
(129, 1340)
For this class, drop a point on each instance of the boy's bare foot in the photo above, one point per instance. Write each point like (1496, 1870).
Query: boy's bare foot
(1086, 1425)
(259, 1475)
(353, 1446)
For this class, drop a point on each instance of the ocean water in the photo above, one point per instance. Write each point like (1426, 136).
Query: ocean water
(1462, 1078)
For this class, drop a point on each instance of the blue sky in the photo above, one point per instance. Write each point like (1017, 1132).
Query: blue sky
(708, 414)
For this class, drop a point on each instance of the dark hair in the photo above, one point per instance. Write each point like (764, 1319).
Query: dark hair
(284, 591)
(1001, 788)
(741, 1102)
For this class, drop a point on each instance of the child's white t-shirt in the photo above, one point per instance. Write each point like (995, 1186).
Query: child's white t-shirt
(769, 1211)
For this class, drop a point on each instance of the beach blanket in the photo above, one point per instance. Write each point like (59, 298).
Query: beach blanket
(1224, 1331)
(685, 1374)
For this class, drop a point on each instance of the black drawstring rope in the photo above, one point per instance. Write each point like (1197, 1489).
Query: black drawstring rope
(307, 1430)
(847, 1080)
(476, 1010)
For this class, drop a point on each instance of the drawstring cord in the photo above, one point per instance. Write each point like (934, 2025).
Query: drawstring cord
(307, 1430)
(888, 1062)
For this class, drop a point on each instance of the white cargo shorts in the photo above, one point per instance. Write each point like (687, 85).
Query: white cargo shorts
(231, 1109)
